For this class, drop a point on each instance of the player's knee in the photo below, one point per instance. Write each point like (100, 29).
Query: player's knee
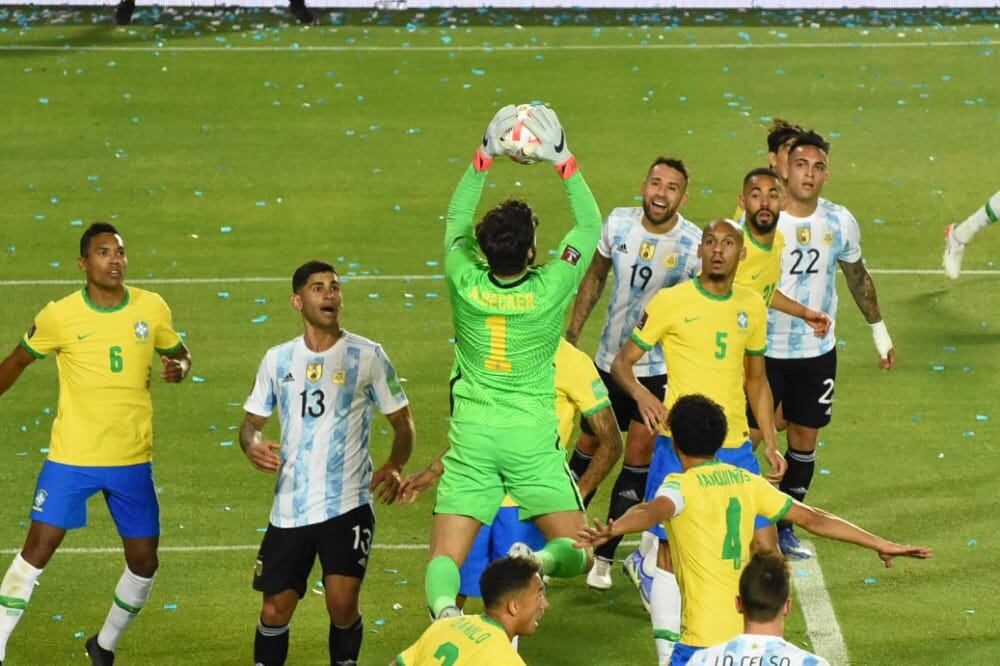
(143, 563)
(275, 613)
(343, 612)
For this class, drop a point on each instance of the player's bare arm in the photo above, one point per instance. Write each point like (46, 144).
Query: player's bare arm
(762, 406)
(637, 519)
(591, 288)
(176, 365)
(828, 525)
(862, 287)
(415, 484)
(653, 412)
(13, 366)
(386, 481)
(817, 320)
(262, 454)
(609, 450)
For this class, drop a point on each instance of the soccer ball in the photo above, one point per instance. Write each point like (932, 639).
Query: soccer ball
(519, 143)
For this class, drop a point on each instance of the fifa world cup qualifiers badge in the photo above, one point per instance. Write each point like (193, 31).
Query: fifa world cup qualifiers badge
(571, 255)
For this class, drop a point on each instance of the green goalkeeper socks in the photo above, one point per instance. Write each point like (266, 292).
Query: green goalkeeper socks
(441, 583)
(561, 560)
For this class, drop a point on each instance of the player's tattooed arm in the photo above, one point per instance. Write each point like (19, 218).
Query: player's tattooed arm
(862, 287)
(609, 450)
(13, 366)
(591, 288)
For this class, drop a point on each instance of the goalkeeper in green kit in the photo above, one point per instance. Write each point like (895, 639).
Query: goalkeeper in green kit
(508, 318)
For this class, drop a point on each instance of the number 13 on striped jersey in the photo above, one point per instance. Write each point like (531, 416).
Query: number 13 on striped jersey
(497, 360)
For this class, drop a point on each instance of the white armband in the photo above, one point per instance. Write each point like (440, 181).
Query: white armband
(883, 343)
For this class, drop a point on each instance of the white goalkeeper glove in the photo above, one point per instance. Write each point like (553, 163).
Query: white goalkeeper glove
(502, 122)
(544, 124)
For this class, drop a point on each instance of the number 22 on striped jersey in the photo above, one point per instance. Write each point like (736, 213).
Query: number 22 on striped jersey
(497, 360)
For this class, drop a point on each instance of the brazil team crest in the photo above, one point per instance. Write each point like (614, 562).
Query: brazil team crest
(647, 250)
(671, 261)
(742, 320)
(803, 234)
(314, 371)
(141, 330)
(39, 500)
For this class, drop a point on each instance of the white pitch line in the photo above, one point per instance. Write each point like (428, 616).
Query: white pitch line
(500, 48)
(814, 600)
(116, 550)
(404, 278)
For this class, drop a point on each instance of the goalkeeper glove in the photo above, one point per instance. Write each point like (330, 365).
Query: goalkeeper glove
(544, 124)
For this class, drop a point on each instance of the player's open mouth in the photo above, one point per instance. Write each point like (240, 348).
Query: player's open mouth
(658, 205)
(115, 273)
(328, 309)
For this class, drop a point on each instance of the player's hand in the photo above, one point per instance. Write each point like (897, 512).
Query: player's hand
(889, 362)
(591, 537)
(777, 462)
(502, 122)
(174, 369)
(264, 455)
(889, 550)
(818, 321)
(651, 408)
(544, 124)
(385, 483)
(418, 483)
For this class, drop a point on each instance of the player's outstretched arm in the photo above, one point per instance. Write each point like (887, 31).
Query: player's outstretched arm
(176, 365)
(415, 484)
(262, 454)
(862, 287)
(653, 412)
(609, 450)
(828, 525)
(591, 288)
(639, 518)
(386, 481)
(464, 200)
(13, 366)
(762, 407)
(817, 320)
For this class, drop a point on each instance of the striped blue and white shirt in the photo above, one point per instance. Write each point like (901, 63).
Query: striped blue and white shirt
(643, 263)
(756, 649)
(813, 246)
(324, 402)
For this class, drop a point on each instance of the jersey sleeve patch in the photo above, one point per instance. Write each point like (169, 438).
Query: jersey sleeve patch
(571, 255)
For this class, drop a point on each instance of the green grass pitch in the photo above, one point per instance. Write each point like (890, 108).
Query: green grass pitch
(344, 142)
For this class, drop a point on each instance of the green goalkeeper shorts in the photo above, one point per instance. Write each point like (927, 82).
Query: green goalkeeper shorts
(484, 464)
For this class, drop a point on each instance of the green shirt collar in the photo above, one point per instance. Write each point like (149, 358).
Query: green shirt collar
(698, 285)
(97, 308)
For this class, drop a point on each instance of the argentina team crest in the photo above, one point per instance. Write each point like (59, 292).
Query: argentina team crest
(828, 238)
(742, 320)
(314, 371)
(670, 262)
(647, 250)
(339, 377)
(803, 234)
(141, 330)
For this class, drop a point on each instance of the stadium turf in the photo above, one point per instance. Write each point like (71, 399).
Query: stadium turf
(230, 146)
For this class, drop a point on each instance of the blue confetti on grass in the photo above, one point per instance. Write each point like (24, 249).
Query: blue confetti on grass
(259, 320)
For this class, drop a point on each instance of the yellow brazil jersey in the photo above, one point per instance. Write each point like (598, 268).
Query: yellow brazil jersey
(761, 269)
(104, 357)
(468, 640)
(710, 535)
(579, 389)
(704, 339)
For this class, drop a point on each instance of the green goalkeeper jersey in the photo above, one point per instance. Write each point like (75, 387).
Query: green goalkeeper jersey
(507, 331)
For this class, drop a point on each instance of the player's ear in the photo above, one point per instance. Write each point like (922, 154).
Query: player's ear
(684, 199)
(743, 253)
(81, 261)
(741, 201)
(739, 605)
(297, 302)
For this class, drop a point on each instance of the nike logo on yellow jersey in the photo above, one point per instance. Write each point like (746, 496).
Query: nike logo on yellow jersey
(83, 337)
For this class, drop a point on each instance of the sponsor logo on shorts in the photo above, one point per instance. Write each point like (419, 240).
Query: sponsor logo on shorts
(571, 254)
(40, 498)
(141, 330)
(258, 568)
